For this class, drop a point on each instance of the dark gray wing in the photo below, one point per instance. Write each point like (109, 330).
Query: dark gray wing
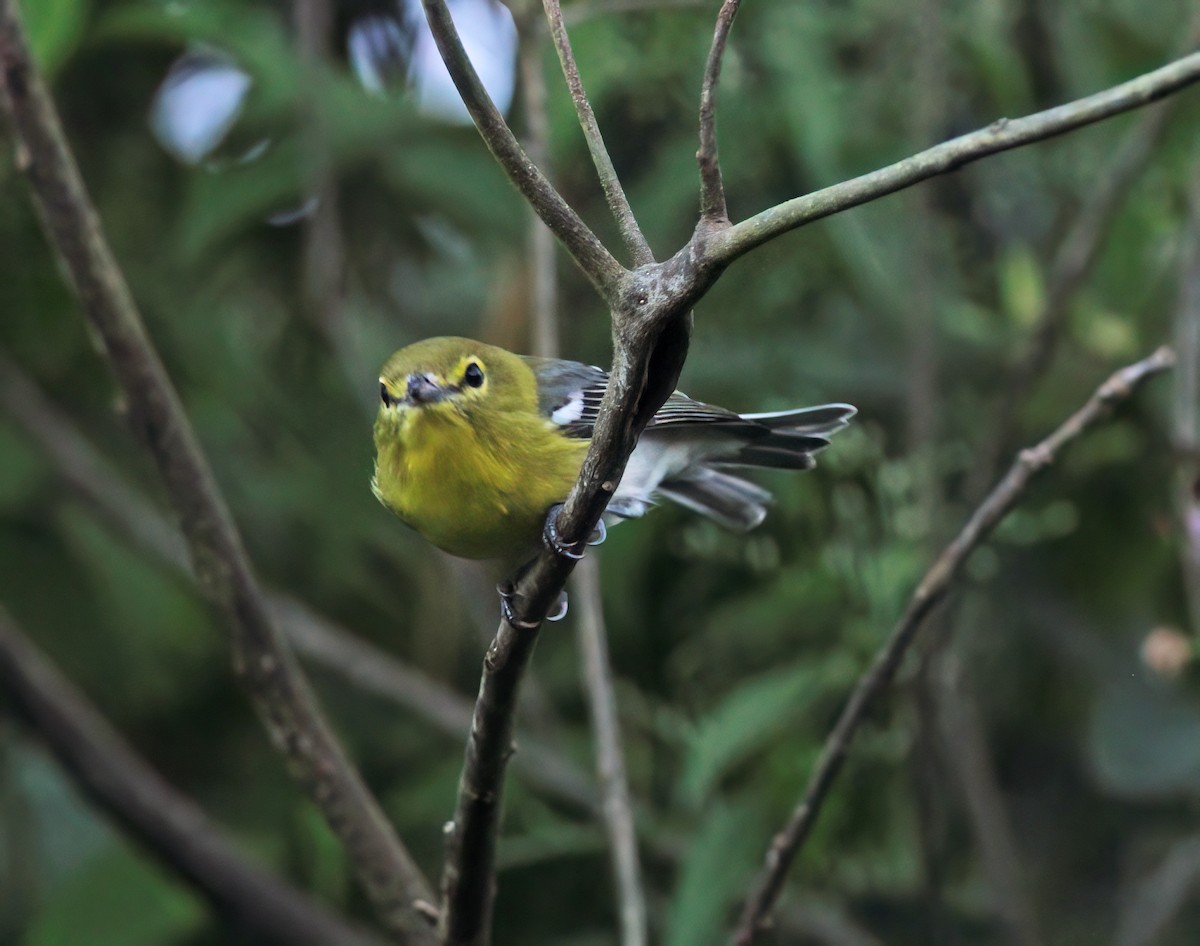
(569, 393)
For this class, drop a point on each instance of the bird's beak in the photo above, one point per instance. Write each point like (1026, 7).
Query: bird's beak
(423, 389)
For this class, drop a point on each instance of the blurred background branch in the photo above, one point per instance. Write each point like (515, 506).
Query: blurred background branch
(261, 658)
(166, 822)
(930, 592)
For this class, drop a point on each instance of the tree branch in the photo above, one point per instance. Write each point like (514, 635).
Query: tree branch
(618, 203)
(931, 591)
(712, 190)
(261, 658)
(646, 365)
(604, 272)
(1002, 135)
(468, 883)
(165, 821)
(610, 760)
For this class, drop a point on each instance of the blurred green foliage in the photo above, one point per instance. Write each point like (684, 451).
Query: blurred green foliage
(734, 653)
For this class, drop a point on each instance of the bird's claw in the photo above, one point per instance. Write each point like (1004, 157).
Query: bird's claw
(551, 538)
(553, 541)
(599, 534)
(507, 590)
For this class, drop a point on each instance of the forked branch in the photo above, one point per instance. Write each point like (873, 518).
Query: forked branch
(604, 272)
(268, 670)
(651, 329)
(931, 591)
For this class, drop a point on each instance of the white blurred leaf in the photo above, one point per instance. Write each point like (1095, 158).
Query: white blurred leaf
(197, 104)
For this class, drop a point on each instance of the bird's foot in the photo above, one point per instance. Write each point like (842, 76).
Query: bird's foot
(553, 541)
(507, 589)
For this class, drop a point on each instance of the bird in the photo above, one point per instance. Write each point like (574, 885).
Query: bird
(476, 447)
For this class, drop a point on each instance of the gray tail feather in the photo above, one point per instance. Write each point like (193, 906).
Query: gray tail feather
(734, 503)
(820, 421)
(790, 438)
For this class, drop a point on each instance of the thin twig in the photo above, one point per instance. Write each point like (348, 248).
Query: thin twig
(323, 246)
(317, 638)
(618, 203)
(543, 264)
(1002, 135)
(604, 272)
(610, 759)
(931, 591)
(712, 190)
(261, 657)
(166, 822)
(927, 50)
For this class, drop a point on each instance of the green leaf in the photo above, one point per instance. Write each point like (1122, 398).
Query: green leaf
(1021, 286)
(55, 28)
(118, 899)
(714, 874)
(751, 718)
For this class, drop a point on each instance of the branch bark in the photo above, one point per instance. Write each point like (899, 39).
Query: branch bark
(932, 590)
(165, 821)
(261, 657)
(712, 190)
(1002, 135)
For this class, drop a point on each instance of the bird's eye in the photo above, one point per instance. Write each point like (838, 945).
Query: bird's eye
(383, 393)
(473, 376)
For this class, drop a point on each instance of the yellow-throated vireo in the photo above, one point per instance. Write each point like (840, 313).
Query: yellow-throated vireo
(474, 445)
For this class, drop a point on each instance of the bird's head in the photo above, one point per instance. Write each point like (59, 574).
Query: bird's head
(452, 376)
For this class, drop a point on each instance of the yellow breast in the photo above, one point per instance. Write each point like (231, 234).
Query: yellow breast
(468, 488)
